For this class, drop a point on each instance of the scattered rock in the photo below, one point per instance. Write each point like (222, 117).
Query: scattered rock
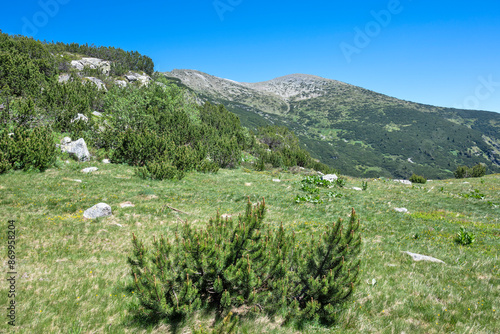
(79, 181)
(98, 82)
(248, 184)
(106, 161)
(276, 180)
(403, 210)
(330, 177)
(79, 117)
(64, 78)
(89, 169)
(144, 79)
(77, 148)
(226, 216)
(98, 210)
(120, 225)
(96, 113)
(418, 257)
(126, 205)
(357, 189)
(403, 182)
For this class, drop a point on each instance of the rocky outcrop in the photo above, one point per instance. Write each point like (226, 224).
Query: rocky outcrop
(143, 79)
(93, 63)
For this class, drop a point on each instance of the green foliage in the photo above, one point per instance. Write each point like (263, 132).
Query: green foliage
(474, 194)
(231, 264)
(308, 199)
(27, 149)
(280, 147)
(418, 179)
(316, 181)
(478, 170)
(228, 325)
(464, 237)
(364, 185)
(159, 170)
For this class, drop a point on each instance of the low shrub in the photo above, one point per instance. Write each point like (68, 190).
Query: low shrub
(478, 170)
(248, 264)
(464, 237)
(418, 179)
(27, 149)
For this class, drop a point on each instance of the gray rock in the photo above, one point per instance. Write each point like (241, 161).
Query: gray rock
(98, 82)
(89, 169)
(121, 83)
(98, 210)
(127, 205)
(79, 117)
(106, 161)
(77, 148)
(66, 141)
(404, 182)
(96, 113)
(143, 79)
(418, 257)
(402, 210)
(93, 63)
(357, 189)
(64, 78)
(330, 177)
(276, 180)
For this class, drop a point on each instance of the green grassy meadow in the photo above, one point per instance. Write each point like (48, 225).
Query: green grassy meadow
(73, 275)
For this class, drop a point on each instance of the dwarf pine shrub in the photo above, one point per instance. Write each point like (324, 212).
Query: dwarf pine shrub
(246, 263)
(478, 170)
(417, 179)
(27, 149)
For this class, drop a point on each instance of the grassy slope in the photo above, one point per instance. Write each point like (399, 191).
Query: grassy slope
(75, 271)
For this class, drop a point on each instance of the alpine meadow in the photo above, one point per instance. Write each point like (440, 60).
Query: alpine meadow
(138, 201)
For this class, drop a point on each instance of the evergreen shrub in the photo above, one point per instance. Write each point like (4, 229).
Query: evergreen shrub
(247, 263)
(27, 149)
(417, 179)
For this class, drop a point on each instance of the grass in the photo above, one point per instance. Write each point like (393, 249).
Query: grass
(73, 275)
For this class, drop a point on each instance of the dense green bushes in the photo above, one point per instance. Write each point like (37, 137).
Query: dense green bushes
(246, 263)
(27, 149)
(478, 170)
(418, 179)
(280, 147)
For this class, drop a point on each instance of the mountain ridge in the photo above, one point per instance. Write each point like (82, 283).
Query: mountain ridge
(330, 117)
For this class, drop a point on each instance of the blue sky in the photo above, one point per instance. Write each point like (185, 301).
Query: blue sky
(444, 53)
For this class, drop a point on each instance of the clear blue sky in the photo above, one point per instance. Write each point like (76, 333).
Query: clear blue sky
(445, 53)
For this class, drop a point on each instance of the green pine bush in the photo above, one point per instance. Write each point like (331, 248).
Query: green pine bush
(27, 149)
(418, 179)
(247, 263)
(478, 170)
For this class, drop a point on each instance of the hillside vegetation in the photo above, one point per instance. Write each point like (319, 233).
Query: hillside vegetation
(358, 131)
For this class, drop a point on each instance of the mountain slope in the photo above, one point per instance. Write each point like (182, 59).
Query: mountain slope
(360, 132)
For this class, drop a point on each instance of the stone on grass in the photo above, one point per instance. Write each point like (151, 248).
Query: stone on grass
(357, 189)
(89, 169)
(330, 177)
(276, 180)
(419, 257)
(76, 148)
(126, 205)
(402, 210)
(404, 182)
(98, 210)
(106, 161)
(79, 117)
